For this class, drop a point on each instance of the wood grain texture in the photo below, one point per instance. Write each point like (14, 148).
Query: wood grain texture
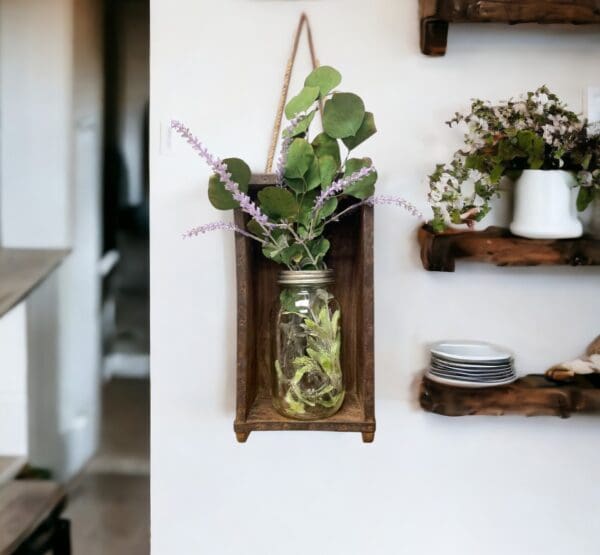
(10, 467)
(21, 270)
(497, 245)
(351, 257)
(435, 15)
(24, 505)
(533, 395)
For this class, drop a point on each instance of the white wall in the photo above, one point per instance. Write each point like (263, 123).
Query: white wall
(428, 484)
(51, 113)
(13, 383)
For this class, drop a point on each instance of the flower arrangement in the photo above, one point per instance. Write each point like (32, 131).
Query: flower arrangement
(535, 131)
(289, 219)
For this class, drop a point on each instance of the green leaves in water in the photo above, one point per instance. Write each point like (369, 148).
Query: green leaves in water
(317, 376)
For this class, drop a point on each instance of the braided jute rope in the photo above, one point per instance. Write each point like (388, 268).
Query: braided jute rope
(303, 22)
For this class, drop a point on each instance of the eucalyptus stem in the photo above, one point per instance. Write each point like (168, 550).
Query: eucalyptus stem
(301, 242)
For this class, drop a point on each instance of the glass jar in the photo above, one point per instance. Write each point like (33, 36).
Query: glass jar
(307, 380)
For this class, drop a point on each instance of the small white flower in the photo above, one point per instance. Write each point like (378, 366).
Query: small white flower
(475, 175)
(435, 195)
(520, 107)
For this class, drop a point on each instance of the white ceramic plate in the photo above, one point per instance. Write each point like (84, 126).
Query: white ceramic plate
(470, 351)
(470, 385)
(475, 369)
(472, 377)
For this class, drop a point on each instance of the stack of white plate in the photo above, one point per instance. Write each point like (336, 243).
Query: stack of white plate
(471, 364)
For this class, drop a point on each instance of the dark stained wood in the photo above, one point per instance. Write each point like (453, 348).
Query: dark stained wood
(533, 395)
(435, 15)
(498, 246)
(24, 506)
(22, 270)
(351, 257)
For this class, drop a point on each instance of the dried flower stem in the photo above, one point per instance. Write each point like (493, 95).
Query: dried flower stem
(339, 185)
(213, 226)
(380, 199)
(217, 165)
(285, 146)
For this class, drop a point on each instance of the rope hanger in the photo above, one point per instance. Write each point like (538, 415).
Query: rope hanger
(302, 23)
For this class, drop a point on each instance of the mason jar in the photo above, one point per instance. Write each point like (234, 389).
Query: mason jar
(307, 379)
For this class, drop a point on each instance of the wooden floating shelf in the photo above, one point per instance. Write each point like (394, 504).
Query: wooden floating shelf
(436, 15)
(351, 257)
(497, 245)
(532, 395)
(22, 270)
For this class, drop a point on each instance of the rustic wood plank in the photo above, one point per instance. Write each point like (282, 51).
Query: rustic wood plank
(435, 15)
(351, 257)
(24, 505)
(533, 395)
(21, 270)
(10, 467)
(350, 418)
(498, 246)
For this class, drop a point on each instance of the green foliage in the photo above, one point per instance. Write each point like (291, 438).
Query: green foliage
(324, 77)
(328, 168)
(324, 145)
(299, 159)
(320, 362)
(367, 129)
(220, 197)
(343, 115)
(292, 233)
(366, 186)
(278, 203)
(536, 132)
(275, 248)
(584, 197)
(255, 228)
(302, 126)
(301, 102)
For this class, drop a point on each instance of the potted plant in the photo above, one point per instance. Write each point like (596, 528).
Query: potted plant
(536, 142)
(290, 220)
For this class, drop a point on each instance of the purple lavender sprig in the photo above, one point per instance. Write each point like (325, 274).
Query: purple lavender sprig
(285, 146)
(339, 185)
(380, 199)
(396, 201)
(220, 168)
(213, 226)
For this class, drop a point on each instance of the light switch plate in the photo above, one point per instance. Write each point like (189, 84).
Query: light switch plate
(166, 138)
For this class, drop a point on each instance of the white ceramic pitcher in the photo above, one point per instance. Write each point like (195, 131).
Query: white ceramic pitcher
(545, 206)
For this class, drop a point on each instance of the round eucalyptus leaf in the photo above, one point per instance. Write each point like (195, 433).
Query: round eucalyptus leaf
(278, 203)
(301, 102)
(366, 130)
(218, 195)
(328, 208)
(324, 77)
(324, 145)
(365, 187)
(313, 175)
(343, 115)
(299, 158)
(327, 169)
(302, 126)
(255, 228)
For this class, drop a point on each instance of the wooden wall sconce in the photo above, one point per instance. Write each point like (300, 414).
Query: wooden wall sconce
(435, 15)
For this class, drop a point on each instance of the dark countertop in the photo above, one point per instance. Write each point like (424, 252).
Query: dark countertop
(22, 270)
